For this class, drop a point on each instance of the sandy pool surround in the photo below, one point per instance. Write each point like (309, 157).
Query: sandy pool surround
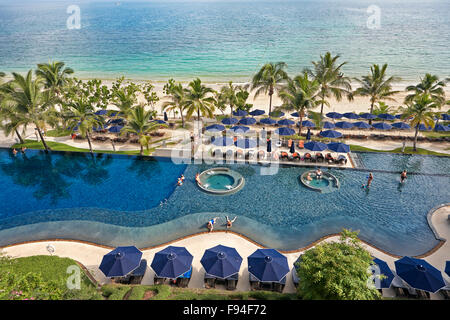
(238, 180)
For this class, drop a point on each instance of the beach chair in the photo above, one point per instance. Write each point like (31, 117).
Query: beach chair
(210, 281)
(158, 280)
(250, 155)
(329, 158)
(239, 154)
(301, 144)
(261, 154)
(231, 281)
(307, 157)
(341, 159)
(320, 157)
(284, 155)
(229, 154)
(296, 156)
(217, 153)
(279, 286)
(183, 280)
(255, 284)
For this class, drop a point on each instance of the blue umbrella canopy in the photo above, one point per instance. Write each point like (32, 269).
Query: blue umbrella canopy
(121, 261)
(215, 128)
(330, 134)
(229, 121)
(247, 121)
(308, 124)
(268, 265)
(240, 129)
(385, 271)
(401, 126)
(398, 116)
(351, 115)
(382, 126)
(423, 128)
(339, 147)
(115, 121)
(172, 262)
(328, 125)
(447, 268)
(419, 274)
(159, 121)
(285, 131)
(221, 261)
(295, 114)
(344, 125)
(115, 129)
(315, 146)
(334, 115)
(276, 114)
(240, 113)
(113, 114)
(368, 116)
(446, 116)
(222, 141)
(99, 127)
(268, 121)
(286, 122)
(441, 127)
(101, 112)
(386, 116)
(362, 125)
(245, 143)
(256, 112)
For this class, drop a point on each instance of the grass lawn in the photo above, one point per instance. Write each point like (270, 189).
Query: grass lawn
(436, 134)
(58, 133)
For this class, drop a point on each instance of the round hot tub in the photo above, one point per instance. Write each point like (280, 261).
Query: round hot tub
(220, 181)
(326, 183)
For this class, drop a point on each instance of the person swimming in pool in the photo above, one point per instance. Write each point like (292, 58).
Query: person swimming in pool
(230, 222)
(211, 223)
(403, 176)
(197, 178)
(182, 177)
(318, 173)
(14, 151)
(308, 176)
(180, 182)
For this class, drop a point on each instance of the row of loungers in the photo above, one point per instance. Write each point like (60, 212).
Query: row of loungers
(262, 155)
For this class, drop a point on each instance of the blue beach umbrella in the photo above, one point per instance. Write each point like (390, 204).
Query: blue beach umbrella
(401, 126)
(113, 114)
(351, 115)
(240, 113)
(121, 261)
(172, 262)
(159, 121)
(423, 128)
(221, 261)
(116, 121)
(339, 147)
(308, 124)
(229, 121)
(441, 127)
(362, 125)
(330, 134)
(344, 125)
(245, 143)
(446, 116)
(247, 121)
(385, 271)
(215, 128)
(368, 116)
(295, 114)
(315, 146)
(419, 274)
(328, 125)
(276, 114)
(257, 112)
(268, 121)
(222, 141)
(99, 127)
(334, 115)
(268, 265)
(382, 126)
(101, 112)
(115, 129)
(286, 122)
(447, 268)
(398, 116)
(386, 116)
(285, 131)
(239, 129)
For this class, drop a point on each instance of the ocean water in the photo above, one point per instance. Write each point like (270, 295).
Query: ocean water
(224, 40)
(124, 200)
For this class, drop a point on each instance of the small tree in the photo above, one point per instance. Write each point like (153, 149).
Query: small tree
(336, 271)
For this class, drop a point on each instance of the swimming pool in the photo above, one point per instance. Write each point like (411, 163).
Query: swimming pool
(121, 200)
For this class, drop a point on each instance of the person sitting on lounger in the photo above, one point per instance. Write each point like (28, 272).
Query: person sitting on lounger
(318, 173)
(210, 224)
(230, 222)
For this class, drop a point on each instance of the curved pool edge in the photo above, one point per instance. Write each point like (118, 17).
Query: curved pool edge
(431, 251)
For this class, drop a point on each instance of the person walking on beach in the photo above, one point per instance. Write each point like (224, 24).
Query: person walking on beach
(230, 222)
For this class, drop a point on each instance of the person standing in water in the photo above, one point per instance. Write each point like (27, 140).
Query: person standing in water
(230, 222)
(369, 180)
(403, 176)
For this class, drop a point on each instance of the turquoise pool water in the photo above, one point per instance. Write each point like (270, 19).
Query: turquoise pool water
(219, 181)
(122, 200)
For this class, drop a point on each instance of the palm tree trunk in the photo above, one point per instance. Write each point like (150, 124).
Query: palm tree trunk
(19, 136)
(198, 114)
(270, 104)
(42, 139)
(182, 117)
(371, 110)
(415, 138)
(231, 107)
(89, 142)
(321, 110)
(300, 127)
(142, 150)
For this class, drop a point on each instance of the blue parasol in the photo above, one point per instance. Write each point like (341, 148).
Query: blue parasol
(384, 270)
(315, 146)
(334, 115)
(240, 113)
(268, 121)
(215, 128)
(222, 141)
(339, 147)
(328, 125)
(351, 115)
(286, 122)
(285, 131)
(268, 265)
(221, 261)
(121, 261)
(386, 116)
(172, 262)
(257, 112)
(362, 125)
(382, 126)
(245, 143)
(401, 126)
(239, 129)
(330, 134)
(229, 121)
(368, 116)
(344, 125)
(247, 121)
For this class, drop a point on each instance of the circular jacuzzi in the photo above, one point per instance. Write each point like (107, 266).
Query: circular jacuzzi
(220, 181)
(326, 183)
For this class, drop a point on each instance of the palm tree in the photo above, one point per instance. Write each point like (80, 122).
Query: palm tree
(197, 99)
(430, 84)
(420, 112)
(177, 96)
(228, 93)
(331, 80)
(382, 108)
(269, 78)
(81, 114)
(30, 102)
(376, 86)
(300, 94)
(138, 122)
(55, 75)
